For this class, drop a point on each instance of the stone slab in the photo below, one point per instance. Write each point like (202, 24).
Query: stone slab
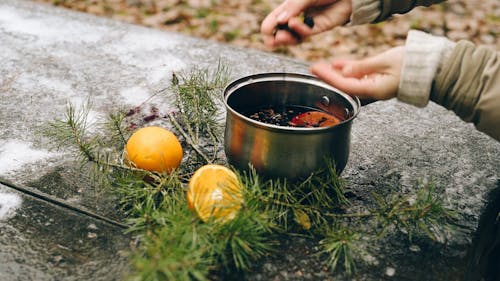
(53, 56)
(42, 241)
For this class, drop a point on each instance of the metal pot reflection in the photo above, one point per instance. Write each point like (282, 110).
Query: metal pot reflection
(282, 151)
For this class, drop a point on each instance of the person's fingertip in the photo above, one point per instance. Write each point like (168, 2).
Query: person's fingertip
(264, 29)
(347, 70)
(268, 41)
(336, 63)
(315, 68)
(339, 62)
(283, 37)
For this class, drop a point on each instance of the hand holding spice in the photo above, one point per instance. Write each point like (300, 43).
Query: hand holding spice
(284, 26)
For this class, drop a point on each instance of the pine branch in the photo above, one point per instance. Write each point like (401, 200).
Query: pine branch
(180, 249)
(188, 139)
(197, 96)
(176, 245)
(71, 132)
(339, 245)
(116, 121)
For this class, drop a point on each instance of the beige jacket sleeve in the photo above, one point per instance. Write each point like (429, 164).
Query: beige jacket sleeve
(460, 76)
(468, 82)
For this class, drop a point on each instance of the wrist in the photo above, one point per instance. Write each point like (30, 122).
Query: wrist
(422, 59)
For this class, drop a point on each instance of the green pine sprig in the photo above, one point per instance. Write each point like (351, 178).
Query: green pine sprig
(340, 246)
(174, 244)
(198, 102)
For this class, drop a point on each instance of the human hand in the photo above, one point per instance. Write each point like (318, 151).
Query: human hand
(375, 77)
(326, 14)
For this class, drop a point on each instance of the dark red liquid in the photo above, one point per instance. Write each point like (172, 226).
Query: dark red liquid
(294, 116)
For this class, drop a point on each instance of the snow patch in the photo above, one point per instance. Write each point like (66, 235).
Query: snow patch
(148, 50)
(9, 202)
(135, 96)
(14, 154)
(55, 85)
(47, 28)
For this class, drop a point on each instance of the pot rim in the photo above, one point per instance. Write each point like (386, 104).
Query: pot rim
(287, 76)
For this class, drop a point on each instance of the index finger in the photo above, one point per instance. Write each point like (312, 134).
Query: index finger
(363, 88)
(280, 15)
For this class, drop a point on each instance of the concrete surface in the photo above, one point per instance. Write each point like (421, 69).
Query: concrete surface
(52, 56)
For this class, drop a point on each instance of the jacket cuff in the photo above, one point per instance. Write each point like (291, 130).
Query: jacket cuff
(364, 11)
(424, 54)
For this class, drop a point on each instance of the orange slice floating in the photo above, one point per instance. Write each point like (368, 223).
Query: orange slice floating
(311, 119)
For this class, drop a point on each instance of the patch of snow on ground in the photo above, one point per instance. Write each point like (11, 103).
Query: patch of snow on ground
(135, 96)
(9, 202)
(15, 153)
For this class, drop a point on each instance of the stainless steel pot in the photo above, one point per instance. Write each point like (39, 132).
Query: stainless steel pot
(280, 151)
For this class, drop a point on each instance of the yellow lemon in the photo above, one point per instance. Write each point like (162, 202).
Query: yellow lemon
(154, 149)
(214, 191)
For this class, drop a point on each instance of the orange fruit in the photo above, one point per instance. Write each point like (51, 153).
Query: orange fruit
(154, 149)
(215, 191)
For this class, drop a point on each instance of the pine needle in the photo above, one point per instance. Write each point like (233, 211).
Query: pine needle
(176, 245)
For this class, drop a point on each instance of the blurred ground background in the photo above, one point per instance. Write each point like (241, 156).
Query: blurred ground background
(238, 22)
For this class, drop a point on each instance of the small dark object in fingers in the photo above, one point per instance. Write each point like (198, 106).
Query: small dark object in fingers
(284, 26)
(309, 21)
